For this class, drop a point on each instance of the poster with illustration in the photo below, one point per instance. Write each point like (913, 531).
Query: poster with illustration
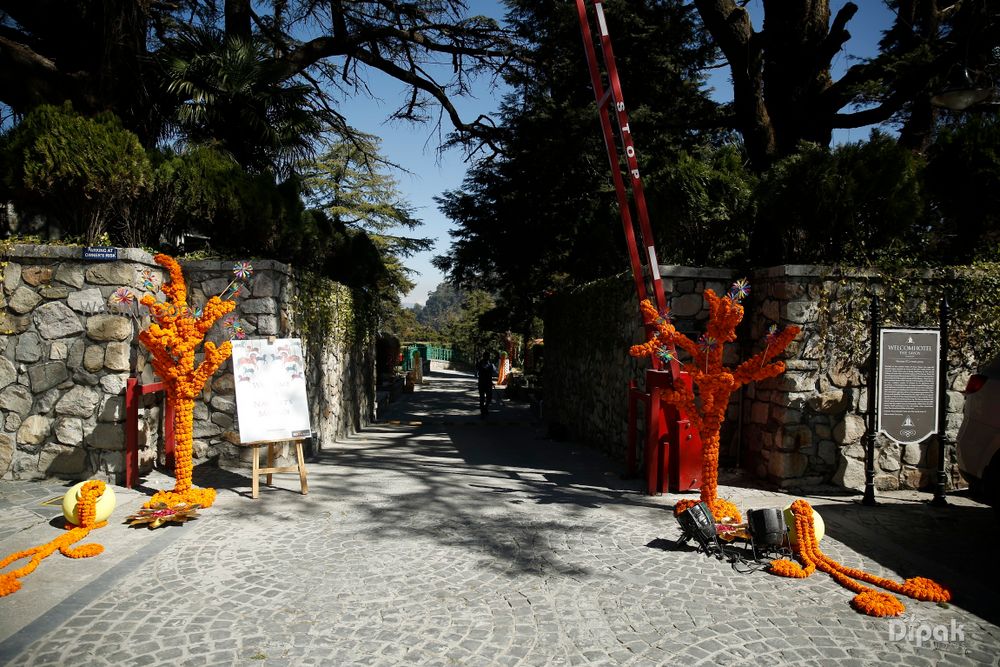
(270, 389)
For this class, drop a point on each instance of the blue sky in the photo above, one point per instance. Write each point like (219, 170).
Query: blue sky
(428, 173)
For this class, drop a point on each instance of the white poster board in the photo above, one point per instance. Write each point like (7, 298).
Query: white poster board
(270, 389)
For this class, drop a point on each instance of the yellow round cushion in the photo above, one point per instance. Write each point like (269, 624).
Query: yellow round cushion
(818, 526)
(105, 504)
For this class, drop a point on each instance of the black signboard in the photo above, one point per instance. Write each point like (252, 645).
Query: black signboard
(908, 383)
(100, 253)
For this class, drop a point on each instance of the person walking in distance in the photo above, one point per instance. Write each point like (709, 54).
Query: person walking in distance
(485, 370)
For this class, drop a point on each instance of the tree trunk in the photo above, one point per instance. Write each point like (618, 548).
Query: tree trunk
(780, 73)
(918, 25)
(238, 19)
(731, 28)
(797, 72)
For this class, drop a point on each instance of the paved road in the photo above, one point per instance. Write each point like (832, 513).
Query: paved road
(437, 538)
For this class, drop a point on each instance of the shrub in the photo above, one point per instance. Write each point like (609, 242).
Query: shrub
(75, 171)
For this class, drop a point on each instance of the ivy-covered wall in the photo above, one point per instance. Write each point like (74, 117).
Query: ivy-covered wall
(588, 332)
(805, 426)
(339, 351)
(66, 353)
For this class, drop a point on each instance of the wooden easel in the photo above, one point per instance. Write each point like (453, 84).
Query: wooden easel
(300, 467)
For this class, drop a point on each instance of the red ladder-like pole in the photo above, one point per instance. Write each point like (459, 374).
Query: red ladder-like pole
(672, 447)
(612, 98)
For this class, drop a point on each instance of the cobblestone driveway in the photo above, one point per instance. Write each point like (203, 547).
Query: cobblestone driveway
(440, 539)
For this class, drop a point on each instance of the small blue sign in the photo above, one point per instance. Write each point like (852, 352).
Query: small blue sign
(100, 253)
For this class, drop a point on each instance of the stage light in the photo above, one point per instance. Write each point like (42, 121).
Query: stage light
(767, 527)
(698, 524)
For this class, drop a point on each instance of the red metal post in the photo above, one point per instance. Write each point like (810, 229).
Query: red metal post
(653, 454)
(661, 432)
(605, 98)
(132, 394)
(609, 144)
(685, 450)
(625, 133)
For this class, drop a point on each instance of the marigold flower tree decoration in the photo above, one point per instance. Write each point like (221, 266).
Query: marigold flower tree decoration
(705, 405)
(172, 337)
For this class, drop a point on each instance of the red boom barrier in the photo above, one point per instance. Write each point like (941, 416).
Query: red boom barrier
(672, 451)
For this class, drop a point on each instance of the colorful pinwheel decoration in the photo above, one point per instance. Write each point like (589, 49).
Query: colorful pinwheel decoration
(122, 296)
(707, 344)
(772, 333)
(231, 292)
(242, 271)
(666, 355)
(148, 280)
(194, 313)
(235, 327)
(739, 290)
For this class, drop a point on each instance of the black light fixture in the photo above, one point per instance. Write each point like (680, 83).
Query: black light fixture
(767, 527)
(697, 523)
(967, 92)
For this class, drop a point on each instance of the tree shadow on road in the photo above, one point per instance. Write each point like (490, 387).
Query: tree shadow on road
(505, 492)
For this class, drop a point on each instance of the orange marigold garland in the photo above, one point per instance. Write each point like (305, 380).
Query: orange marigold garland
(706, 407)
(86, 511)
(868, 600)
(172, 338)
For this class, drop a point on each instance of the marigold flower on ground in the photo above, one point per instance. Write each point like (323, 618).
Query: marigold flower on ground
(868, 600)
(86, 511)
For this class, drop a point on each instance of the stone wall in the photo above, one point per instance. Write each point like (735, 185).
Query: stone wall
(587, 369)
(66, 355)
(801, 428)
(807, 426)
